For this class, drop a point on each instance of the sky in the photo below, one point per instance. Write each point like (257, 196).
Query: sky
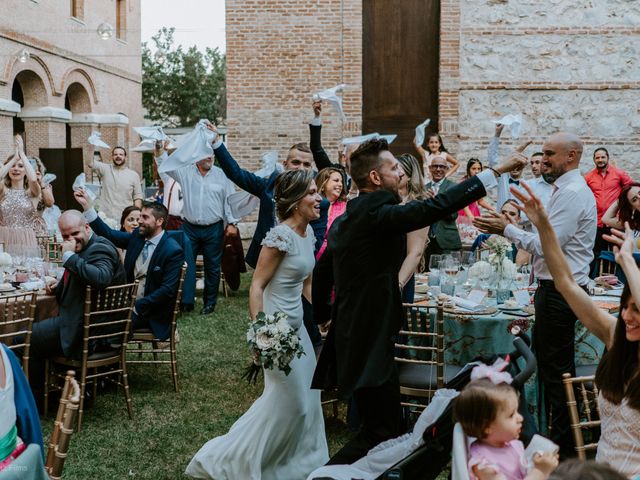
(197, 22)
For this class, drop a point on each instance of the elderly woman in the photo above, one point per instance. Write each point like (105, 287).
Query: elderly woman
(330, 183)
(20, 194)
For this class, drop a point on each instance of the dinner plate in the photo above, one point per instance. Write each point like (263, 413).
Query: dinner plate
(510, 309)
(7, 290)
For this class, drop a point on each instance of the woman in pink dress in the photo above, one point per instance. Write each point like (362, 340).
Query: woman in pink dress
(331, 186)
(474, 167)
(20, 194)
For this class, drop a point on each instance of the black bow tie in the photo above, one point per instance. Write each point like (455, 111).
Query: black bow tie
(517, 182)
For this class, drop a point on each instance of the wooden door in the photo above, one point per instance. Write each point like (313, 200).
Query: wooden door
(66, 164)
(400, 69)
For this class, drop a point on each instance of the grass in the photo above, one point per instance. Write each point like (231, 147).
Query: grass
(168, 427)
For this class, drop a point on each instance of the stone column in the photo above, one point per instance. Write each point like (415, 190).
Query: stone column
(44, 128)
(8, 110)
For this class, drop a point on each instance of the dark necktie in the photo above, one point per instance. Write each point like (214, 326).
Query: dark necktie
(516, 182)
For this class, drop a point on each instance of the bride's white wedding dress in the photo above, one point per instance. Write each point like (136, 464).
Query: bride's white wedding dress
(281, 436)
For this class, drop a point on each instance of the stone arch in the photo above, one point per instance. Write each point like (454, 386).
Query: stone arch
(77, 99)
(36, 65)
(32, 88)
(81, 77)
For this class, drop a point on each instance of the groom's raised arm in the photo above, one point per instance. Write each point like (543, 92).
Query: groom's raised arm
(420, 213)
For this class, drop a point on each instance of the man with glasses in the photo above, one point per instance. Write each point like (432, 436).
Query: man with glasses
(443, 234)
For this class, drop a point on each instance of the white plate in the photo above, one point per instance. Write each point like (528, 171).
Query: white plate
(7, 290)
(510, 309)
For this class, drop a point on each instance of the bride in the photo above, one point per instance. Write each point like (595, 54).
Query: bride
(281, 436)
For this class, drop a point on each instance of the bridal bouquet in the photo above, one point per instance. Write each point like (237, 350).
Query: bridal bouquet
(274, 344)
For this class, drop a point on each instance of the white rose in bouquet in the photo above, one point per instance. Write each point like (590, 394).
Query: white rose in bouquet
(509, 270)
(480, 269)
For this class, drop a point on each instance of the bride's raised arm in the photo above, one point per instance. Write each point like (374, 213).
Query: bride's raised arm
(598, 322)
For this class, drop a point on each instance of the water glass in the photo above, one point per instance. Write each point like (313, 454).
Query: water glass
(502, 295)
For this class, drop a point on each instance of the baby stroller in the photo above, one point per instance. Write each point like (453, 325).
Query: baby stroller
(426, 451)
(428, 461)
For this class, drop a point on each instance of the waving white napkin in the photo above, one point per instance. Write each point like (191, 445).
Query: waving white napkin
(514, 122)
(96, 140)
(193, 147)
(331, 96)
(420, 131)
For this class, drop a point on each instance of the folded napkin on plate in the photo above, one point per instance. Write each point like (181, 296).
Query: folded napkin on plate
(35, 285)
(467, 304)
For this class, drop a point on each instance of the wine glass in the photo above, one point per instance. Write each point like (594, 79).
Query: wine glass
(434, 270)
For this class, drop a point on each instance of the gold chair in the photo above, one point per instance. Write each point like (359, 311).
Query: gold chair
(63, 427)
(420, 353)
(17, 313)
(588, 393)
(200, 275)
(146, 336)
(107, 318)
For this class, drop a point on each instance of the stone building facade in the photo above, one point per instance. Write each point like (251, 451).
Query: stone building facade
(564, 64)
(73, 80)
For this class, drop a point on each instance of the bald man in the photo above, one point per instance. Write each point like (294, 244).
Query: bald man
(573, 215)
(88, 259)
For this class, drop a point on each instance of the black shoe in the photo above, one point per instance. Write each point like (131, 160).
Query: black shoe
(186, 307)
(208, 309)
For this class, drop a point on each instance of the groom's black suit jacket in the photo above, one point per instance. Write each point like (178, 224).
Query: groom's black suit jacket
(366, 247)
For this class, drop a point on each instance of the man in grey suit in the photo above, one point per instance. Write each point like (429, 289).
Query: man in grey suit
(443, 234)
(88, 259)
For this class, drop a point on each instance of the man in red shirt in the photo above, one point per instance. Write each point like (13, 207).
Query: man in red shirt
(606, 182)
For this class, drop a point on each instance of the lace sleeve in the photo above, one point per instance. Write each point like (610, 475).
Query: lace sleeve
(279, 237)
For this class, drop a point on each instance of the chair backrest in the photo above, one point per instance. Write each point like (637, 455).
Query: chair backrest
(176, 305)
(107, 315)
(421, 339)
(63, 426)
(17, 313)
(590, 418)
(51, 249)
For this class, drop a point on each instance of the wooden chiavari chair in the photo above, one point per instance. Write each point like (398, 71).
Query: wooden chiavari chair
(17, 313)
(590, 418)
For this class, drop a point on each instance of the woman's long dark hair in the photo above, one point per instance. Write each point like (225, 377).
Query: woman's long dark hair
(618, 375)
(442, 147)
(626, 213)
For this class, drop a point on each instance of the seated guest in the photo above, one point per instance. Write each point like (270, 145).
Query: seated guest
(512, 213)
(154, 258)
(88, 260)
(19, 420)
(443, 234)
(129, 219)
(626, 209)
(474, 167)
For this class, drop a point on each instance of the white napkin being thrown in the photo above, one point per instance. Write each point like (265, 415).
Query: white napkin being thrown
(193, 147)
(514, 122)
(96, 140)
(420, 131)
(331, 96)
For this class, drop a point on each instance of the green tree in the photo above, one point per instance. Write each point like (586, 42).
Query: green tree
(180, 87)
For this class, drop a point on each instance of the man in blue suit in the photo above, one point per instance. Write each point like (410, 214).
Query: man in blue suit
(153, 257)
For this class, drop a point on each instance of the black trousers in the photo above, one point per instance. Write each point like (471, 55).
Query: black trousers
(600, 245)
(553, 342)
(379, 414)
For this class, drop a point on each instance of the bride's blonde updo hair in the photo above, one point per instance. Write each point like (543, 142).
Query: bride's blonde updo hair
(291, 187)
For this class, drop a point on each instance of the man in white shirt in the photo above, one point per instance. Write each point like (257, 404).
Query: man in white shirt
(205, 210)
(573, 215)
(541, 184)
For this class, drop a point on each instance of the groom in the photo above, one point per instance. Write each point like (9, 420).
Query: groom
(366, 247)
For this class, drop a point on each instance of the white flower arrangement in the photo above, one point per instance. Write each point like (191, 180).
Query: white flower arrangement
(273, 342)
(509, 269)
(481, 269)
(5, 259)
(111, 223)
(499, 248)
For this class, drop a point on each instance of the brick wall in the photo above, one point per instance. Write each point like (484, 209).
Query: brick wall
(278, 54)
(100, 76)
(565, 65)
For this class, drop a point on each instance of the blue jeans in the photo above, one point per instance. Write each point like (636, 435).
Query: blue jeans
(207, 240)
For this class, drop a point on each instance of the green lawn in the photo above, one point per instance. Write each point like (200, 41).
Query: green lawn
(168, 427)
